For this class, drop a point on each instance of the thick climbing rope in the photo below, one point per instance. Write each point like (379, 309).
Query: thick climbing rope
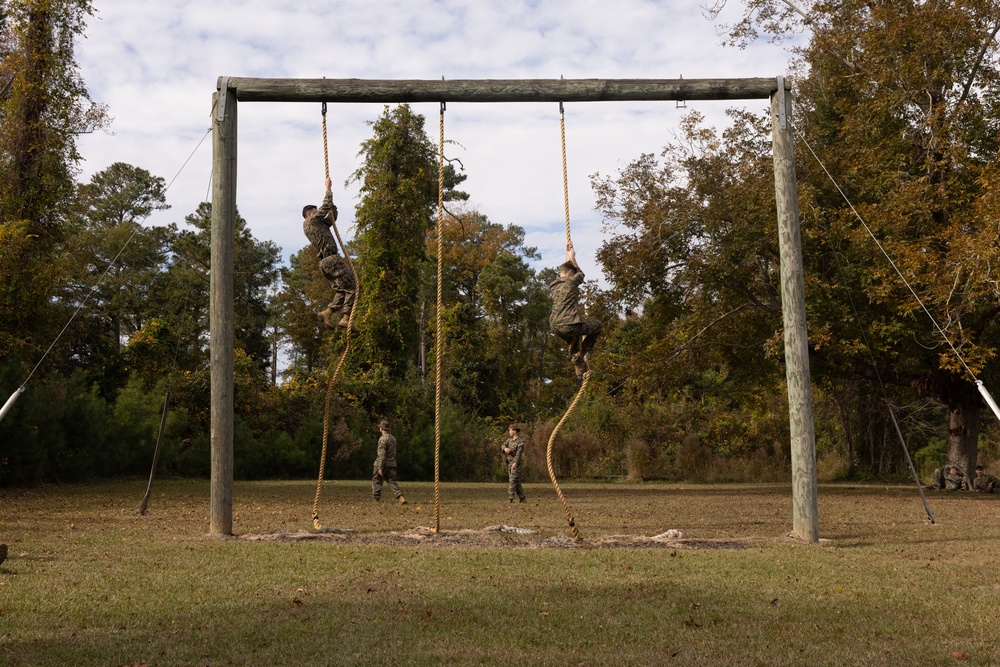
(438, 337)
(586, 375)
(562, 136)
(548, 456)
(347, 345)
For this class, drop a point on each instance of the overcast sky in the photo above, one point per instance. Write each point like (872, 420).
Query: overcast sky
(156, 64)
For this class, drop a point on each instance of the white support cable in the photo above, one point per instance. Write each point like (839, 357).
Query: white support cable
(93, 289)
(892, 263)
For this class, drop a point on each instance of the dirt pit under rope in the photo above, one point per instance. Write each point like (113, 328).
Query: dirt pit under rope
(492, 537)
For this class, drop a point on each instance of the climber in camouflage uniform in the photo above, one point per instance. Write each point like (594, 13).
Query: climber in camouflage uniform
(566, 319)
(316, 223)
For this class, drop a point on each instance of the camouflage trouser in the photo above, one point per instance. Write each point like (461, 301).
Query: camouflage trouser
(514, 489)
(983, 487)
(338, 273)
(389, 477)
(579, 336)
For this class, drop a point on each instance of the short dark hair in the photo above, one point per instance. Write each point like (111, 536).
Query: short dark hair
(515, 427)
(980, 468)
(568, 266)
(306, 209)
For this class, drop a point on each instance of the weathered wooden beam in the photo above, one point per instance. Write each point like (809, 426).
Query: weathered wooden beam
(496, 90)
(805, 504)
(222, 339)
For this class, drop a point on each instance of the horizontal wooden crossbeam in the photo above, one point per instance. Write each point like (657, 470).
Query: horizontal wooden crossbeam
(495, 90)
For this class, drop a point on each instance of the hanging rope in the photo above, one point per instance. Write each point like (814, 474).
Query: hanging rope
(438, 337)
(347, 345)
(562, 135)
(548, 456)
(586, 375)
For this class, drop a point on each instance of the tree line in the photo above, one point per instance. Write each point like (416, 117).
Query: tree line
(688, 377)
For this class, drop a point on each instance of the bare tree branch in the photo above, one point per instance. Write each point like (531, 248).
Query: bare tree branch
(975, 68)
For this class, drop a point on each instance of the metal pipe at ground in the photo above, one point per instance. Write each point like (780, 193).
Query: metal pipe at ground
(10, 402)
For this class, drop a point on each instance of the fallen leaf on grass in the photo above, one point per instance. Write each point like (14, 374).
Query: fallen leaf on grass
(690, 621)
(958, 655)
(296, 602)
(774, 602)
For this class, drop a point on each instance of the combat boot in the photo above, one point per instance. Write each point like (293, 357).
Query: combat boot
(345, 321)
(402, 501)
(325, 317)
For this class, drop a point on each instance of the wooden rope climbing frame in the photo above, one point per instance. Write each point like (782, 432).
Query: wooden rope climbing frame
(438, 337)
(347, 345)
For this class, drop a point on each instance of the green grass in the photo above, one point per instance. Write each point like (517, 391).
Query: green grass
(89, 582)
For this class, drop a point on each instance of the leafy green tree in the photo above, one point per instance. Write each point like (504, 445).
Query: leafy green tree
(255, 274)
(399, 186)
(43, 106)
(303, 293)
(119, 266)
(692, 243)
(492, 318)
(900, 101)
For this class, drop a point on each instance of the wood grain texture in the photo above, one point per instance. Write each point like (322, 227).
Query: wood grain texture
(496, 90)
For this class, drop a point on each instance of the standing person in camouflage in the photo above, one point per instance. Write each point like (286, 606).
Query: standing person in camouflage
(513, 449)
(385, 465)
(566, 319)
(316, 223)
(985, 482)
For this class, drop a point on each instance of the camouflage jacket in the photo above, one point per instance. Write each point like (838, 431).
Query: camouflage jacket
(317, 228)
(565, 292)
(516, 447)
(986, 483)
(955, 483)
(386, 452)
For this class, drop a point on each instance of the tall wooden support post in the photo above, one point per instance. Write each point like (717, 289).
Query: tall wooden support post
(221, 313)
(805, 509)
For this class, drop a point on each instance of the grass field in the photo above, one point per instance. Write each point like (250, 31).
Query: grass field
(89, 582)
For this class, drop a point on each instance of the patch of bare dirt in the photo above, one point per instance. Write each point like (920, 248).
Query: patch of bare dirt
(491, 537)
